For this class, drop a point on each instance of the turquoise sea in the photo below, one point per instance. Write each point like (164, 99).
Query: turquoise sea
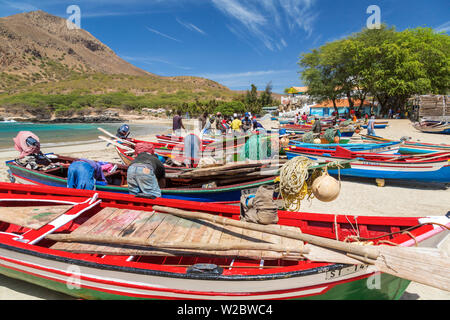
(69, 134)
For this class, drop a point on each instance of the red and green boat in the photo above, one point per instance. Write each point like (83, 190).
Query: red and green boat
(176, 187)
(34, 220)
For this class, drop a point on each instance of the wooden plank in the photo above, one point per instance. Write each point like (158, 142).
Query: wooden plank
(87, 226)
(229, 235)
(158, 228)
(99, 217)
(32, 217)
(216, 233)
(180, 231)
(164, 228)
(139, 228)
(251, 236)
(112, 225)
(291, 243)
(270, 238)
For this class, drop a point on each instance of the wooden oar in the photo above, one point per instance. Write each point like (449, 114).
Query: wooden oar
(407, 263)
(175, 245)
(116, 144)
(116, 138)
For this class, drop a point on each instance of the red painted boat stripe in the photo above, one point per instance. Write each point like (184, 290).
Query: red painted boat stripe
(392, 166)
(135, 286)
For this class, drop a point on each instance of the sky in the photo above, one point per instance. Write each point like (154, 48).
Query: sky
(234, 42)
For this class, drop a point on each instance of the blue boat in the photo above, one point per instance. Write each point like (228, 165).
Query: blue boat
(433, 168)
(347, 134)
(377, 126)
(387, 148)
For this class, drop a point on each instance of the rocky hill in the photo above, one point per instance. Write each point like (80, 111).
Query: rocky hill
(39, 48)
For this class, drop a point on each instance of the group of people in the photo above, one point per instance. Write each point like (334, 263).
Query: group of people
(219, 124)
(145, 175)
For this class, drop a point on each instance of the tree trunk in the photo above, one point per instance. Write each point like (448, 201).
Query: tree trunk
(335, 107)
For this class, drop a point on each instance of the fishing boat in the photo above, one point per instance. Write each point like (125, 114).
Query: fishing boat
(227, 188)
(442, 127)
(218, 150)
(174, 140)
(411, 147)
(97, 245)
(377, 126)
(433, 168)
(385, 148)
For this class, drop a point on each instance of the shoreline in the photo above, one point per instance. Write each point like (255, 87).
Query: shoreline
(358, 197)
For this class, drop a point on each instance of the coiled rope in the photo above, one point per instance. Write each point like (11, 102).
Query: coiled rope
(296, 181)
(293, 189)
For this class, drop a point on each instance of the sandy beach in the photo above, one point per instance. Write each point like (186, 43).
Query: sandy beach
(360, 197)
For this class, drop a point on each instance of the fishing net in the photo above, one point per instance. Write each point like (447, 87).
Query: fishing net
(258, 147)
(308, 137)
(329, 135)
(346, 123)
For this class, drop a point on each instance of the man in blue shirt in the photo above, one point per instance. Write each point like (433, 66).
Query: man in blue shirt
(84, 174)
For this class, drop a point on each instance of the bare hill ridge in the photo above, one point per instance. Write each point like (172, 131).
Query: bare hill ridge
(38, 50)
(28, 37)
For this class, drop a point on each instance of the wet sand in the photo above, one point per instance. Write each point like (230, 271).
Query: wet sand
(358, 197)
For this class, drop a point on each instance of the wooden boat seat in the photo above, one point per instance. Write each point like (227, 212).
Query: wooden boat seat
(163, 228)
(53, 170)
(33, 217)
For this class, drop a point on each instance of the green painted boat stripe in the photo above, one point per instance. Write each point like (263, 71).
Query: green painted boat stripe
(165, 191)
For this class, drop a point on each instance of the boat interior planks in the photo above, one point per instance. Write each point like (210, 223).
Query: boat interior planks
(160, 228)
(32, 217)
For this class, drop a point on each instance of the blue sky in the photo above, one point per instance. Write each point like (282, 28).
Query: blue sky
(234, 42)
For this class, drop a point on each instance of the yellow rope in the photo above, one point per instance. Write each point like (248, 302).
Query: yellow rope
(296, 182)
(293, 182)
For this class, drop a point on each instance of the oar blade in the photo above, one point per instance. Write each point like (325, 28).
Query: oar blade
(429, 267)
(321, 254)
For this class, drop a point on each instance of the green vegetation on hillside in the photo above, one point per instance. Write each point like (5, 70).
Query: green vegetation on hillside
(130, 93)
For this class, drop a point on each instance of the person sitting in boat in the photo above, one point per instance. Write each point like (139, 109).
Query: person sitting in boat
(146, 174)
(85, 174)
(27, 143)
(123, 132)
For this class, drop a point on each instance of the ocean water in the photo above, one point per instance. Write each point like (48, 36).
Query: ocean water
(69, 134)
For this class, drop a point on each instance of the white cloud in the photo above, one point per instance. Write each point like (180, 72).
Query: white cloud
(191, 26)
(163, 34)
(443, 27)
(269, 20)
(22, 6)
